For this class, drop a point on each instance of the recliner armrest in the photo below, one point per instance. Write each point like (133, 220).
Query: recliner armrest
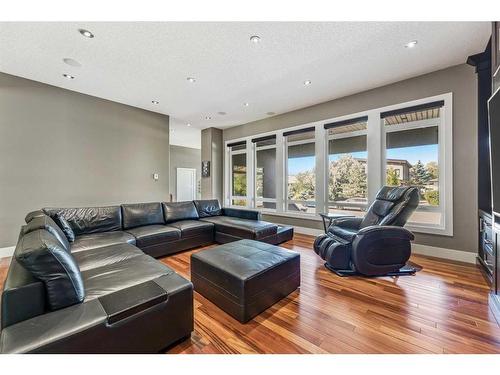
(386, 231)
(350, 222)
(242, 214)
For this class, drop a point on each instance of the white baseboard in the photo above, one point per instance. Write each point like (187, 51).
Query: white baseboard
(7, 251)
(438, 252)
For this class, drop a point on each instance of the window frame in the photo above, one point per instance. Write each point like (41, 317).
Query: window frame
(231, 196)
(376, 164)
(256, 199)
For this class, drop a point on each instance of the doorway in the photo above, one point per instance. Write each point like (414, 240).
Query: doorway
(186, 184)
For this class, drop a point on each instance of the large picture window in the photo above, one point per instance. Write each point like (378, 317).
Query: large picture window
(347, 167)
(265, 172)
(238, 174)
(300, 171)
(412, 157)
(338, 165)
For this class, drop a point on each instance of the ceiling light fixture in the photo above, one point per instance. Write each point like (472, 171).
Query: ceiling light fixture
(208, 118)
(270, 113)
(222, 113)
(155, 102)
(68, 76)
(411, 44)
(71, 62)
(86, 33)
(191, 79)
(246, 104)
(188, 124)
(307, 83)
(255, 39)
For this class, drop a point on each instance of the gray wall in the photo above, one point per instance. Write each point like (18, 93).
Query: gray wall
(461, 81)
(62, 148)
(184, 157)
(212, 150)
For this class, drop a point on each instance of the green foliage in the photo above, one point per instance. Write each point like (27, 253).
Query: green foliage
(432, 197)
(239, 181)
(419, 175)
(302, 188)
(347, 179)
(392, 178)
(432, 169)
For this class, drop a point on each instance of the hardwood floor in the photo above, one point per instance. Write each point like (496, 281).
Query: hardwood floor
(443, 309)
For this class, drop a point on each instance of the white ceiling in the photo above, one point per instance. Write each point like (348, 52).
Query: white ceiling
(183, 135)
(136, 62)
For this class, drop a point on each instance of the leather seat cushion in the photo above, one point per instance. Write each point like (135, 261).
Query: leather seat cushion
(95, 240)
(345, 233)
(242, 228)
(108, 279)
(86, 220)
(140, 214)
(105, 256)
(191, 228)
(175, 211)
(154, 234)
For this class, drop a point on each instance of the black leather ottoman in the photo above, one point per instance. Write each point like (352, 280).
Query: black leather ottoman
(245, 277)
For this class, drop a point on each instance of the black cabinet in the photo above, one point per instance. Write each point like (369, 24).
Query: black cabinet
(486, 253)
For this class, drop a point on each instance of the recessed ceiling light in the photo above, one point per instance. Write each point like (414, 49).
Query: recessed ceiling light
(246, 104)
(68, 76)
(411, 44)
(255, 39)
(72, 62)
(270, 113)
(188, 124)
(86, 33)
(155, 102)
(191, 79)
(307, 83)
(222, 113)
(208, 118)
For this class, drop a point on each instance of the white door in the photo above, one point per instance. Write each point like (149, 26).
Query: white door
(186, 184)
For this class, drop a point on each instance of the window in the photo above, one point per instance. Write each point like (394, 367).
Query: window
(265, 172)
(300, 171)
(347, 167)
(238, 174)
(412, 157)
(338, 165)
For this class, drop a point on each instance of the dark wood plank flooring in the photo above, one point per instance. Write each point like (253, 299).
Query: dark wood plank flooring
(443, 309)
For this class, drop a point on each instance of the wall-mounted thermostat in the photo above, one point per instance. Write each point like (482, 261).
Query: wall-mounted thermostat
(156, 176)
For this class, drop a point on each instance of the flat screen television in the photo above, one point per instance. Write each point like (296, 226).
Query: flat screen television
(494, 127)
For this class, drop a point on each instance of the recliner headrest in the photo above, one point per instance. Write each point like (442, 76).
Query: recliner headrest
(392, 193)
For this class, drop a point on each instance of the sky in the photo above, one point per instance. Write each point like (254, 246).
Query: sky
(425, 154)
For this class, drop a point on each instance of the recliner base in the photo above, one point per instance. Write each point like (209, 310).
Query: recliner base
(406, 270)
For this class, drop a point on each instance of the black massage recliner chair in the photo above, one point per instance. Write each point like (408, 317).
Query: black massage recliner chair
(374, 245)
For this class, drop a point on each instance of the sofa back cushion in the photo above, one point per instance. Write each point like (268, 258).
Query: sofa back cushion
(41, 254)
(208, 207)
(140, 214)
(85, 220)
(32, 215)
(175, 211)
(45, 222)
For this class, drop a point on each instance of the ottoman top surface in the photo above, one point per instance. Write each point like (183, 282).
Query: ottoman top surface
(245, 258)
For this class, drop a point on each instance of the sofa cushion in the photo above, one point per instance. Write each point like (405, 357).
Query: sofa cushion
(108, 279)
(104, 256)
(192, 228)
(65, 227)
(45, 222)
(154, 234)
(43, 256)
(87, 220)
(242, 228)
(208, 207)
(175, 211)
(96, 240)
(139, 214)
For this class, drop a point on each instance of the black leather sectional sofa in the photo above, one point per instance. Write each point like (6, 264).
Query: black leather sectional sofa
(84, 280)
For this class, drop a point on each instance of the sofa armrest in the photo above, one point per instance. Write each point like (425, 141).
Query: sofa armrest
(242, 214)
(386, 231)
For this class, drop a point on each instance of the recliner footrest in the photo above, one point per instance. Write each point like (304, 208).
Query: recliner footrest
(129, 301)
